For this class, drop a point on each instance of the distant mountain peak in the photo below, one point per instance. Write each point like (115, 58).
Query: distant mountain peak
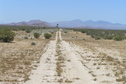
(77, 23)
(89, 21)
(103, 22)
(77, 20)
(37, 23)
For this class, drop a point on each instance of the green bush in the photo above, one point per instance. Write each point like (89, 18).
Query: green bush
(23, 29)
(47, 35)
(25, 37)
(65, 31)
(6, 35)
(27, 30)
(33, 43)
(97, 38)
(109, 37)
(118, 38)
(83, 31)
(36, 35)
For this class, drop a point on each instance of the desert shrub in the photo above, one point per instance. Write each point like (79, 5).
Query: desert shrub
(27, 30)
(97, 38)
(36, 35)
(117, 35)
(118, 38)
(108, 37)
(6, 35)
(25, 37)
(83, 31)
(47, 35)
(33, 43)
(65, 32)
(23, 29)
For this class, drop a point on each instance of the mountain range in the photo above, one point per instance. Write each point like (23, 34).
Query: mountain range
(37, 23)
(89, 23)
(73, 24)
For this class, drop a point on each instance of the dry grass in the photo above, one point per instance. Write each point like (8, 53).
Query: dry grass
(17, 58)
(106, 55)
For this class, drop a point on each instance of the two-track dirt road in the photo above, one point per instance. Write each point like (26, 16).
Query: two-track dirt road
(64, 62)
(60, 65)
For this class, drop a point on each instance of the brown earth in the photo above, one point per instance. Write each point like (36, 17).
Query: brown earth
(67, 58)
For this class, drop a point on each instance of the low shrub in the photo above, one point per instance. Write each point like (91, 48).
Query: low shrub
(25, 37)
(83, 31)
(118, 38)
(28, 31)
(65, 32)
(6, 35)
(108, 37)
(36, 35)
(47, 35)
(33, 43)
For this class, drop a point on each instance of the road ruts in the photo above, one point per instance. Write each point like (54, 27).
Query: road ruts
(60, 64)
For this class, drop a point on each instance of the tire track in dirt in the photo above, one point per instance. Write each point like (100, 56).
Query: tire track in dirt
(60, 64)
(46, 71)
(74, 71)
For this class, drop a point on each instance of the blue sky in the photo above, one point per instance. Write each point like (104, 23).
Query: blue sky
(63, 10)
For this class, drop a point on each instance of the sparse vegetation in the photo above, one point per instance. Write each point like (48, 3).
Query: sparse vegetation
(25, 37)
(36, 35)
(47, 35)
(33, 43)
(28, 30)
(119, 38)
(96, 56)
(6, 35)
(97, 34)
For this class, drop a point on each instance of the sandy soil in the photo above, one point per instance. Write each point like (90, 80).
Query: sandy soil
(75, 62)
(76, 58)
(18, 58)
(60, 64)
(105, 59)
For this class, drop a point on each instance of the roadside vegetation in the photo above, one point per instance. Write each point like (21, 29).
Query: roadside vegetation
(20, 51)
(6, 35)
(117, 35)
(47, 35)
(36, 35)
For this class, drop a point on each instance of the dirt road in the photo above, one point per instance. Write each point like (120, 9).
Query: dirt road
(64, 62)
(60, 65)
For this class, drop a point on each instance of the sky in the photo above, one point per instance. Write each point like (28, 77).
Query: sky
(62, 10)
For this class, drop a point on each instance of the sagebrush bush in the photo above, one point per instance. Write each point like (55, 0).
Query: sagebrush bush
(83, 31)
(65, 31)
(108, 37)
(118, 38)
(117, 35)
(25, 37)
(36, 35)
(47, 35)
(6, 35)
(33, 43)
(28, 30)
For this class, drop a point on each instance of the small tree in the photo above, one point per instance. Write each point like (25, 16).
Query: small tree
(47, 35)
(36, 35)
(6, 35)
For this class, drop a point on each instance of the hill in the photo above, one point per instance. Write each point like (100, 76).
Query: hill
(93, 24)
(36, 23)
